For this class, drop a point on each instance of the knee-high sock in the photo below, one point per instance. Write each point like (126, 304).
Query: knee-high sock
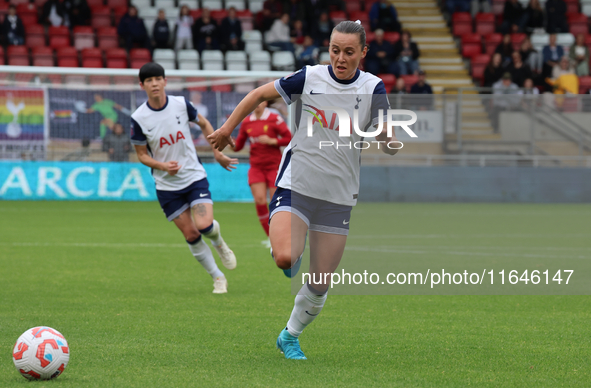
(307, 306)
(203, 254)
(212, 232)
(263, 213)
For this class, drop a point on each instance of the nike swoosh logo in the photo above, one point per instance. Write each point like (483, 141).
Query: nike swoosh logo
(312, 315)
(345, 222)
(311, 92)
(150, 130)
(202, 195)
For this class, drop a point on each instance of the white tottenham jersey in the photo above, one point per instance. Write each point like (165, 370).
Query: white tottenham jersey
(329, 173)
(166, 133)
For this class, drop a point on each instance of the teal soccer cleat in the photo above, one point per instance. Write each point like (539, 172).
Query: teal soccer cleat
(290, 346)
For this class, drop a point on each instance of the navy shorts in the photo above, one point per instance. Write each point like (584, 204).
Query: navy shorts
(319, 215)
(175, 202)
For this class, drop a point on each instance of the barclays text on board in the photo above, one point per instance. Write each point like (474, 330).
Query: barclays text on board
(104, 181)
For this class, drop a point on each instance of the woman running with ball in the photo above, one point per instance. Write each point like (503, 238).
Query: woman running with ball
(317, 186)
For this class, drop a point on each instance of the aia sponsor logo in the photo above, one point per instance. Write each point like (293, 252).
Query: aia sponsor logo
(171, 139)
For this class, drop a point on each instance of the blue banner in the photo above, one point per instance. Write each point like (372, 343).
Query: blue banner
(106, 181)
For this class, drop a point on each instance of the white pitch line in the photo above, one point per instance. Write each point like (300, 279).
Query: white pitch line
(104, 245)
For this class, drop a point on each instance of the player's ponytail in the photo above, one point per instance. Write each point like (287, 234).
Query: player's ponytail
(349, 27)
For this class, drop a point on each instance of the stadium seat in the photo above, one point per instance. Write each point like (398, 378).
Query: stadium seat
(260, 60)
(565, 39)
(370, 37)
(245, 17)
(18, 54)
(118, 13)
(116, 63)
(34, 40)
(237, 4)
(586, 9)
(101, 17)
(196, 14)
(352, 6)
(92, 3)
(188, 56)
(42, 56)
(224, 88)
(117, 53)
(25, 8)
(139, 57)
(283, 60)
(409, 80)
(252, 36)
(58, 41)
(189, 65)
(67, 62)
(151, 12)
(58, 31)
(324, 58)
(212, 4)
(471, 45)
(67, 53)
(584, 84)
(478, 64)
(3, 9)
(107, 37)
(338, 16)
(578, 23)
(485, 23)
(196, 88)
(212, 60)
(29, 19)
(18, 61)
(244, 87)
(83, 37)
(165, 4)
(75, 79)
(92, 62)
(389, 80)
(218, 15)
(99, 80)
(363, 17)
(461, 23)
(2, 62)
(517, 39)
(236, 60)
(572, 6)
(253, 47)
(255, 6)
(165, 57)
(391, 36)
(116, 3)
(92, 53)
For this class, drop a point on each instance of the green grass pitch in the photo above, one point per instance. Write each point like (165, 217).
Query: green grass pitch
(119, 282)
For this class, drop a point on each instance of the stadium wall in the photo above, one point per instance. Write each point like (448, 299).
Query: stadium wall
(475, 184)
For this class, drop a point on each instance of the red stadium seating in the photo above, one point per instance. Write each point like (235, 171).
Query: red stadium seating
(337, 16)
(471, 45)
(221, 88)
(138, 57)
(118, 13)
(361, 16)
(246, 19)
(26, 8)
(461, 23)
(369, 37)
(107, 38)
(115, 3)
(409, 80)
(572, 6)
(67, 53)
(95, 3)
(117, 53)
(584, 84)
(485, 23)
(17, 51)
(389, 80)
(58, 31)
(29, 19)
(99, 80)
(101, 17)
(83, 37)
(391, 37)
(577, 23)
(42, 52)
(196, 14)
(92, 53)
(491, 41)
(59, 41)
(517, 39)
(478, 64)
(18, 61)
(1, 55)
(218, 15)
(353, 6)
(67, 62)
(116, 63)
(196, 88)
(34, 40)
(92, 62)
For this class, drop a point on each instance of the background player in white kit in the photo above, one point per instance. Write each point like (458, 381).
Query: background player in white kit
(162, 139)
(316, 189)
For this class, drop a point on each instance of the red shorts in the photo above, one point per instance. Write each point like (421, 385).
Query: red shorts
(267, 176)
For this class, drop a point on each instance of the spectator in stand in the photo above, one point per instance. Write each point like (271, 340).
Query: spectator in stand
(12, 30)
(514, 17)
(272, 9)
(309, 54)
(117, 144)
(551, 55)
(278, 37)
(183, 33)
(383, 15)
(231, 31)
(53, 13)
(161, 31)
(296, 9)
(399, 87)
(501, 101)
(396, 98)
(422, 87)
(379, 58)
(519, 70)
(579, 54)
(530, 56)
(505, 48)
(298, 33)
(78, 12)
(556, 16)
(133, 30)
(528, 87)
(322, 29)
(458, 5)
(205, 32)
(406, 54)
(564, 80)
(534, 14)
(493, 71)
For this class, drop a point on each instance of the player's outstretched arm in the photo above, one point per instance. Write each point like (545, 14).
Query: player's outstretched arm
(221, 138)
(207, 129)
(171, 167)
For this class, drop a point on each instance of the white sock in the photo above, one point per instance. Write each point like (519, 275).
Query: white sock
(203, 254)
(307, 306)
(213, 233)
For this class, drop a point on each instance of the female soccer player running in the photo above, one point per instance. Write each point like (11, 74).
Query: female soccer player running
(266, 132)
(162, 139)
(316, 188)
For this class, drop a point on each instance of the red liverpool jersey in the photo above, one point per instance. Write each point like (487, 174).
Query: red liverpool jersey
(270, 124)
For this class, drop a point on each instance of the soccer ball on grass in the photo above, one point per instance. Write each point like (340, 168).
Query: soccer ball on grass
(41, 353)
